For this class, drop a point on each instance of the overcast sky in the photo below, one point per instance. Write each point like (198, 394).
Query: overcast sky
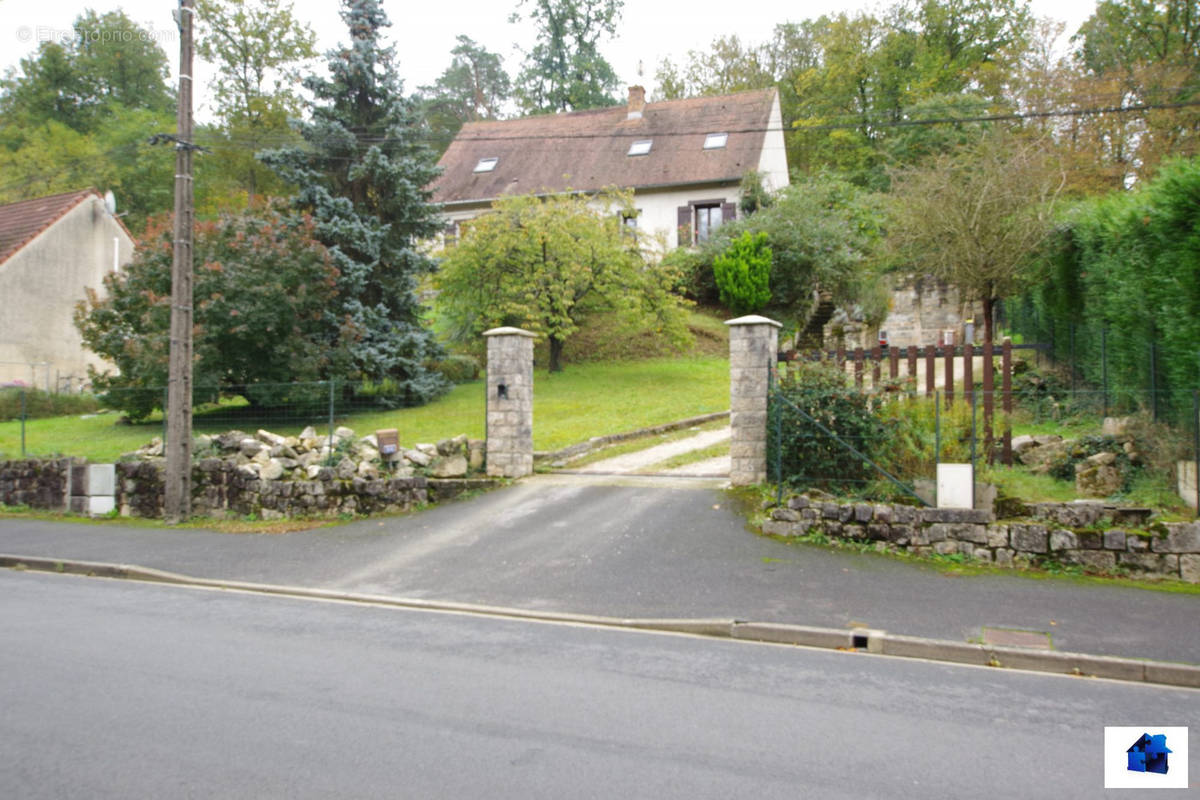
(424, 32)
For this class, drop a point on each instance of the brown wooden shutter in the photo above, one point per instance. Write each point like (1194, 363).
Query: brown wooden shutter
(728, 212)
(685, 225)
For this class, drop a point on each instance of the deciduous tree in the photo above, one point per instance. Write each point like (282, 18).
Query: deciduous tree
(259, 49)
(109, 61)
(78, 112)
(564, 70)
(1145, 52)
(545, 264)
(262, 285)
(975, 217)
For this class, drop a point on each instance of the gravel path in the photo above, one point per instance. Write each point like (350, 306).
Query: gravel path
(710, 467)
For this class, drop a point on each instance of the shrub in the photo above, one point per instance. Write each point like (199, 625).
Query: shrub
(458, 369)
(385, 393)
(910, 449)
(1083, 448)
(546, 264)
(743, 273)
(823, 233)
(1159, 445)
(39, 403)
(1033, 386)
(695, 269)
(1126, 261)
(815, 396)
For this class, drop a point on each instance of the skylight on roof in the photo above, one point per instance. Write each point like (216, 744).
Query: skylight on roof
(486, 164)
(639, 148)
(715, 141)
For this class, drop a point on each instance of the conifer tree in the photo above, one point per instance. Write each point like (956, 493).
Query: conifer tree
(362, 176)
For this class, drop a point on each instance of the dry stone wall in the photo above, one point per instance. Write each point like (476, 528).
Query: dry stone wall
(1098, 538)
(37, 483)
(220, 488)
(265, 475)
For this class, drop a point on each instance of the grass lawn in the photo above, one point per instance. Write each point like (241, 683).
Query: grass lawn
(1146, 490)
(690, 457)
(585, 400)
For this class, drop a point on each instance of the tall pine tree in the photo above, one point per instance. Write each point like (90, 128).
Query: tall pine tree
(362, 176)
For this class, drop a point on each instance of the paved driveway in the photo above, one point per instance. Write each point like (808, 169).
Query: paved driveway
(647, 547)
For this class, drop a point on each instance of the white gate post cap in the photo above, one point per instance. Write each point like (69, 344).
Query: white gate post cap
(510, 332)
(752, 319)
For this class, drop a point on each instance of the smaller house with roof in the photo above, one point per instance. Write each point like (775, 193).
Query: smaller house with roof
(683, 159)
(52, 249)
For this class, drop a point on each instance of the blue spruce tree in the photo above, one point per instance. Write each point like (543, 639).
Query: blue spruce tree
(361, 176)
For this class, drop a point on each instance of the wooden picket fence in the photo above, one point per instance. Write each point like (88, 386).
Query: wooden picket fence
(915, 370)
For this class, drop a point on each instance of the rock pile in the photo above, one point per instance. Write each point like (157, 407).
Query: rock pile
(1096, 474)
(310, 456)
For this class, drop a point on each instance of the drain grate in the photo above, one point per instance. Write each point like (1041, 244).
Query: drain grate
(1010, 637)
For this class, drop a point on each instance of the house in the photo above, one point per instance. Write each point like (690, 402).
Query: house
(683, 159)
(51, 250)
(1149, 754)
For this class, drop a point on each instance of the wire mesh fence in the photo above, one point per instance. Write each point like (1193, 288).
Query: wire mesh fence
(1145, 367)
(122, 420)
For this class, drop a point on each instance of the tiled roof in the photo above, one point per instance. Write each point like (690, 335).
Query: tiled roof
(21, 222)
(588, 150)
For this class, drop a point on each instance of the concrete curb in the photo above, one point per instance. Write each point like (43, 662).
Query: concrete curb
(852, 639)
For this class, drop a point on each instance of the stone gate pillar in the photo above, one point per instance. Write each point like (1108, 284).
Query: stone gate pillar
(509, 402)
(753, 343)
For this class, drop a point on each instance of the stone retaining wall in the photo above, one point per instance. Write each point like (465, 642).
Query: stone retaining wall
(1069, 533)
(37, 483)
(220, 488)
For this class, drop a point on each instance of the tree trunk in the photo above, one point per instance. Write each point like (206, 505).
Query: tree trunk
(556, 348)
(989, 313)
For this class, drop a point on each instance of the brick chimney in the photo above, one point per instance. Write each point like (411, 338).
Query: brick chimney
(637, 101)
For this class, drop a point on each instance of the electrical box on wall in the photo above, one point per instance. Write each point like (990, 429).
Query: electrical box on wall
(955, 486)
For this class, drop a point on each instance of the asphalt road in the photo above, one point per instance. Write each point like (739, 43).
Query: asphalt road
(639, 549)
(118, 690)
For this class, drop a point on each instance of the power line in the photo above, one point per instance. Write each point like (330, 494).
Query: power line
(267, 139)
(1015, 116)
(797, 126)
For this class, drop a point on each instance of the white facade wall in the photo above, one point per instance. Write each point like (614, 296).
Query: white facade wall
(658, 211)
(39, 287)
(772, 162)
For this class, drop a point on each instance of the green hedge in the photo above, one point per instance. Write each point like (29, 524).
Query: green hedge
(1124, 292)
(40, 404)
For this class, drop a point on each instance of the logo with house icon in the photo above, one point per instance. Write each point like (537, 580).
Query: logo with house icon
(1149, 754)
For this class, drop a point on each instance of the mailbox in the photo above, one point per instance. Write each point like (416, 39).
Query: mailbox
(389, 443)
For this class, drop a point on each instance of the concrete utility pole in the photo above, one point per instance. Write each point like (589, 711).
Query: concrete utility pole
(177, 495)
